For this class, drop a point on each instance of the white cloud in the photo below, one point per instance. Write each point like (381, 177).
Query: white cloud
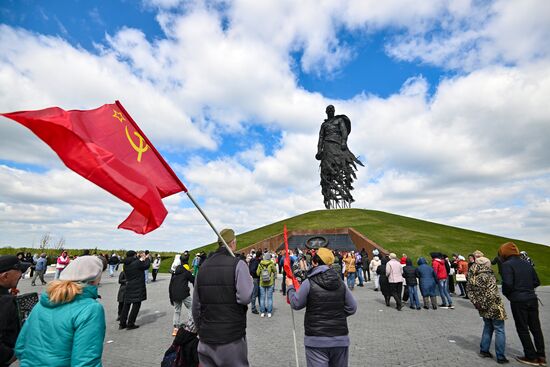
(473, 154)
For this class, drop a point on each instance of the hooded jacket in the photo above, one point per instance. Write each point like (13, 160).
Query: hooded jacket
(178, 290)
(270, 266)
(328, 303)
(439, 268)
(483, 292)
(426, 278)
(519, 280)
(63, 334)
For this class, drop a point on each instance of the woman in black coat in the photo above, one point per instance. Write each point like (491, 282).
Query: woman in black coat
(136, 292)
(384, 282)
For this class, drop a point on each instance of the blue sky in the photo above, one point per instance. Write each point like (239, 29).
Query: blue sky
(233, 93)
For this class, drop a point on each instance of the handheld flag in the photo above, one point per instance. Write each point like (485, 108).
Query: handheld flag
(287, 267)
(105, 146)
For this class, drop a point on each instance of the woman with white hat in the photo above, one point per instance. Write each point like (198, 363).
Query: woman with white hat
(67, 326)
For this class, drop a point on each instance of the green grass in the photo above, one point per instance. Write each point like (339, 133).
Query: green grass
(400, 234)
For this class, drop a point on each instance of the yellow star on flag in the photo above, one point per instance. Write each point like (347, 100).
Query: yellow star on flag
(118, 115)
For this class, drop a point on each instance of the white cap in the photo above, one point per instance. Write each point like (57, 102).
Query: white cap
(82, 269)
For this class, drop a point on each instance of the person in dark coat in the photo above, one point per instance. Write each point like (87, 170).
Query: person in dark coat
(519, 280)
(179, 294)
(428, 283)
(409, 273)
(11, 269)
(121, 292)
(383, 280)
(136, 291)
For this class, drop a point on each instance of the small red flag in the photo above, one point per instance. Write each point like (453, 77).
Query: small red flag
(107, 147)
(288, 269)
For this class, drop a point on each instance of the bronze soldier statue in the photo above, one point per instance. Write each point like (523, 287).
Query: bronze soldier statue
(338, 163)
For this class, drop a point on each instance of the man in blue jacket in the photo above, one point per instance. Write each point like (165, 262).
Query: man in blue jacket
(519, 281)
(329, 302)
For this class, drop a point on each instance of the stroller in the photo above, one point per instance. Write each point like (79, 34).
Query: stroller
(183, 351)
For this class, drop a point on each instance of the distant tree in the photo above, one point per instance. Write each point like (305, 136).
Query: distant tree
(44, 241)
(60, 243)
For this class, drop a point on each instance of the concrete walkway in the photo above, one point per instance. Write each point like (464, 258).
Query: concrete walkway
(380, 336)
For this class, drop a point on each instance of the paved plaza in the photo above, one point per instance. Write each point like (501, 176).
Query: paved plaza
(380, 336)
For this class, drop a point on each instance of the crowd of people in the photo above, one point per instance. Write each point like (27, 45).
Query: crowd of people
(218, 289)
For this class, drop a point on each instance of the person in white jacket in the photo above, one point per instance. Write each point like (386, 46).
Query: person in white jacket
(156, 267)
(374, 264)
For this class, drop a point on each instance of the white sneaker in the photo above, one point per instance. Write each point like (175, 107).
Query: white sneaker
(268, 315)
(262, 314)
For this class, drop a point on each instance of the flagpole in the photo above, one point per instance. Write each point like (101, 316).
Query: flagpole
(294, 335)
(209, 222)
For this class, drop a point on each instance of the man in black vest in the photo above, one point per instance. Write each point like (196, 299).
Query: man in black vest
(10, 273)
(223, 289)
(328, 303)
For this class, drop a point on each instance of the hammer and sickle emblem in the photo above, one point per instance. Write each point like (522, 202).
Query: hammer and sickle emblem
(138, 148)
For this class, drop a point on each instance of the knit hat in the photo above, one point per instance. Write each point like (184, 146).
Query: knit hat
(507, 250)
(326, 255)
(228, 235)
(267, 256)
(483, 261)
(478, 253)
(82, 269)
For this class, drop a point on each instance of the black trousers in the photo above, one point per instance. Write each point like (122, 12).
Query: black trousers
(395, 292)
(283, 286)
(451, 283)
(526, 318)
(131, 319)
(155, 272)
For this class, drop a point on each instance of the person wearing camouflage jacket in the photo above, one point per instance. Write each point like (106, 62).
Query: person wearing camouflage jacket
(483, 293)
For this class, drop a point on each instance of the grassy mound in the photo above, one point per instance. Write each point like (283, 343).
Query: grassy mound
(400, 234)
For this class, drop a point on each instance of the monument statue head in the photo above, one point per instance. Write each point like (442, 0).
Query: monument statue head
(330, 110)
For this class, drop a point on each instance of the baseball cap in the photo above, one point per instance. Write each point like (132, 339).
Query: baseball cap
(11, 262)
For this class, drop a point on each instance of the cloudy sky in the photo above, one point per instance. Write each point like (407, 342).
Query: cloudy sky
(449, 102)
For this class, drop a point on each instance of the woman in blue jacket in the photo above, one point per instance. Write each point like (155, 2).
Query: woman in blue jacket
(67, 326)
(428, 283)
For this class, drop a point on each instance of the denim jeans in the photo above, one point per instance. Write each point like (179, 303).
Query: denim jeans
(255, 293)
(266, 299)
(112, 269)
(57, 273)
(444, 293)
(360, 274)
(496, 326)
(351, 280)
(413, 296)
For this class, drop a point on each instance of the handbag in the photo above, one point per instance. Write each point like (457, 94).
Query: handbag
(461, 277)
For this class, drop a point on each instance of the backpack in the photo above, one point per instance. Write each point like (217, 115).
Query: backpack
(265, 276)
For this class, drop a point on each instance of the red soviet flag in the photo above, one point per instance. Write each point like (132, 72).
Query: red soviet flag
(287, 267)
(107, 147)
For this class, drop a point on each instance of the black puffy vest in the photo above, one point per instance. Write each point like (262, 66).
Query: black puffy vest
(223, 320)
(325, 315)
